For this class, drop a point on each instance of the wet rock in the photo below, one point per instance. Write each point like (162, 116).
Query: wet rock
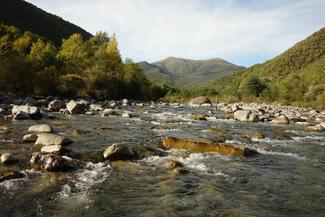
(51, 149)
(8, 158)
(125, 102)
(74, 108)
(89, 113)
(52, 139)
(42, 103)
(199, 117)
(51, 162)
(30, 138)
(282, 119)
(95, 108)
(119, 152)
(30, 101)
(127, 166)
(56, 105)
(108, 112)
(127, 115)
(171, 164)
(21, 116)
(4, 129)
(21, 111)
(40, 128)
(316, 128)
(202, 147)
(255, 135)
(242, 115)
(199, 101)
(179, 171)
(11, 175)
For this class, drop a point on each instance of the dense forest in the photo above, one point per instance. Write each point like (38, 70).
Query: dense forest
(32, 65)
(296, 77)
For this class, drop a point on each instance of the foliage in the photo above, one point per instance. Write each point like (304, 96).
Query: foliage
(93, 68)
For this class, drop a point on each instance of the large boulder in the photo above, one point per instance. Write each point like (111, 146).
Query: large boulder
(52, 162)
(52, 139)
(32, 111)
(76, 108)
(282, 119)
(203, 147)
(8, 158)
(56, 105)
(242, 115)
(199, 101)
(21, 116)
(119, 152)
(40, 128)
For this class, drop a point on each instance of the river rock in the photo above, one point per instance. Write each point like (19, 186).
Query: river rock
(95, 108)
(52, 139)
(316, 128)
(179, 171)
(202, 147)
(8, 158)
(51, 149)
(119, 152)
(56, 105)
(21, 116)
(75, 108)
(282, 119)
(199, 101)
(4, 129)
(108, 112)
(40, 128)
(30, 138)
(127, 114)
(51, 162)
(199, 117)
(11, 175)
(30, 101)
(171, 164)
(21, 111)
(242, 115)
(125, 102)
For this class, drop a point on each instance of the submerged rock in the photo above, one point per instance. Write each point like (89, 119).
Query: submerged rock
(52, 139)
(8, 158)
(171, 164)
(40, 128)
(51, 162)
(119, 152)
(11, 175)
(199, 117)
(202, 147)
(179, 171)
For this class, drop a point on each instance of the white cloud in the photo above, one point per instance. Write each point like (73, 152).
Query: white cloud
(198, 29)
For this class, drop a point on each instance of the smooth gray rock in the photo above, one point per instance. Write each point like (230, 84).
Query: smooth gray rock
(52, 139)
(51, 149)
(40, 128)
(282, 119)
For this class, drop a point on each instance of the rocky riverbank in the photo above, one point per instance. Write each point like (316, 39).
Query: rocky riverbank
(53, 154)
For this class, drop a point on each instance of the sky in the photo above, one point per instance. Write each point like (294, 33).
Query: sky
(244, 32)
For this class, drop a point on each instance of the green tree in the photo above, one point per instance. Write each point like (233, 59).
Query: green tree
(251, 86)
(42, 54)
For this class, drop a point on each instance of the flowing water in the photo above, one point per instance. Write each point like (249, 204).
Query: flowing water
(287, 179)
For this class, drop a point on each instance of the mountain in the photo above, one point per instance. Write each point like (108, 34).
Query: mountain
(187, 72)
(296, 76)
(28, 17)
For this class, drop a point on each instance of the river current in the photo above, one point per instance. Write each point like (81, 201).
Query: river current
(286, 179)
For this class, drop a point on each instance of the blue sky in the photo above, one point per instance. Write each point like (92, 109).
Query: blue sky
(244, 32)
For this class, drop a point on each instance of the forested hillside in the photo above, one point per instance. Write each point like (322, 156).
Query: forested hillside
(28, 17)
(295, 77)
(31, 65)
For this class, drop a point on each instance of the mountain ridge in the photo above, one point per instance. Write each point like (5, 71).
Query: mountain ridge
(187, 72)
